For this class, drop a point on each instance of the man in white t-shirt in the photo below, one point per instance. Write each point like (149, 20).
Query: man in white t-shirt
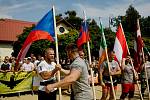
(47, 70)
(145, 68)
(28, 66)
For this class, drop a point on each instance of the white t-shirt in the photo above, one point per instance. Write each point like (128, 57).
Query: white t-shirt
(147, 65)
(44, 66)
(28, 67)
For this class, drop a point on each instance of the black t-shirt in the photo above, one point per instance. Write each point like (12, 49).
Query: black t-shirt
(5, 66)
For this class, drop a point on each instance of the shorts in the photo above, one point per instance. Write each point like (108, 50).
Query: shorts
(108, 87)
(128, 87)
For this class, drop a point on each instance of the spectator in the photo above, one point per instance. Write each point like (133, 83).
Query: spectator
(1, 61)
(13, 63)
(28, 65)
(6, 66)
(35, 61)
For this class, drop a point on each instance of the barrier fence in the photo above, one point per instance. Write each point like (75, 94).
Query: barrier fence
(14, 82)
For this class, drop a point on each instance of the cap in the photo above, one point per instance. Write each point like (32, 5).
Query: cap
(29, 58)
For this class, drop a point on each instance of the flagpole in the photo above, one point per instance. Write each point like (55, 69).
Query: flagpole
(133, 67)
(112, 85)
(57, 54)
(146, 76)
(90, 62)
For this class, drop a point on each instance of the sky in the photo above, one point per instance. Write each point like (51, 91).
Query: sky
(34, 10)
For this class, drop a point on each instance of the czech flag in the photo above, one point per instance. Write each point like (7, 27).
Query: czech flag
(84, 35)
(43, 30)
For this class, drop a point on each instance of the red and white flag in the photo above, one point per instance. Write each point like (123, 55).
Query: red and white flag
(138, 45)
(120, 46)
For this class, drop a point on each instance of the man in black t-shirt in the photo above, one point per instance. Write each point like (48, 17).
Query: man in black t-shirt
(6, 66)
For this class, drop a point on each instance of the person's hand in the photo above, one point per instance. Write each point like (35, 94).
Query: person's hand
(58, 67)
(111, 73)
(136, 78)
(102, 84)
(49, 88)
(91, 65)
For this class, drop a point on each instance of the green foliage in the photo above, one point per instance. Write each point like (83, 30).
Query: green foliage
(21, 38)
(129, 23)
(145, 26)
(65, 39)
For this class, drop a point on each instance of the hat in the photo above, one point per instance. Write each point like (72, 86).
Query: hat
(29, 58)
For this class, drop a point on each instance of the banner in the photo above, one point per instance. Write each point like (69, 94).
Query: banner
(15, 82)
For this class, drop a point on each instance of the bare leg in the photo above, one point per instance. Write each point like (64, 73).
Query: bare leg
(105, 91)
(111, 94)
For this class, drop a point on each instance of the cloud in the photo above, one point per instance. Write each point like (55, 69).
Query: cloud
(5, 16)
(5, 10)
(94, 9)
(104, 13)
(12, 9)
(143, 9)
(111, 10)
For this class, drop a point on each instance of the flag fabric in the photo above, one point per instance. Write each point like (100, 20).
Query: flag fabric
(138, 45)
(146, 51)
(103, 45)
(120, 46)
(43, 30)
(84, 34)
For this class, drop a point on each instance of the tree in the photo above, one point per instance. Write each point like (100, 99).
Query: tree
(145, 26)
(129, 23)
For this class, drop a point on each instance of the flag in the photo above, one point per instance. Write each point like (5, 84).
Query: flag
(43, 30)
(103, 45)
(146, 51)
(120, 46)
(84, 34)
(138, 45)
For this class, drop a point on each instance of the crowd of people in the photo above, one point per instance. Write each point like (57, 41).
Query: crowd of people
(77, 74)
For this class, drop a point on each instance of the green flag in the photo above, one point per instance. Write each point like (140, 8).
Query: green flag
(103, 45)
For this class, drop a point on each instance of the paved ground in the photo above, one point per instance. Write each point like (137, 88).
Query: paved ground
(66, 95)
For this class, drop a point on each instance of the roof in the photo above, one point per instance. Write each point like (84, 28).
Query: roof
(10, 28)
(65, 22)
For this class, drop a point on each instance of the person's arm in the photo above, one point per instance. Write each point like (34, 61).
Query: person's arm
(69, 79)
(101, 80)
(44, 73)
(66, 72)
(32, 66)
(123, 63)
(48, 74)
(117, 70)
(101, 69)
(21, 68)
